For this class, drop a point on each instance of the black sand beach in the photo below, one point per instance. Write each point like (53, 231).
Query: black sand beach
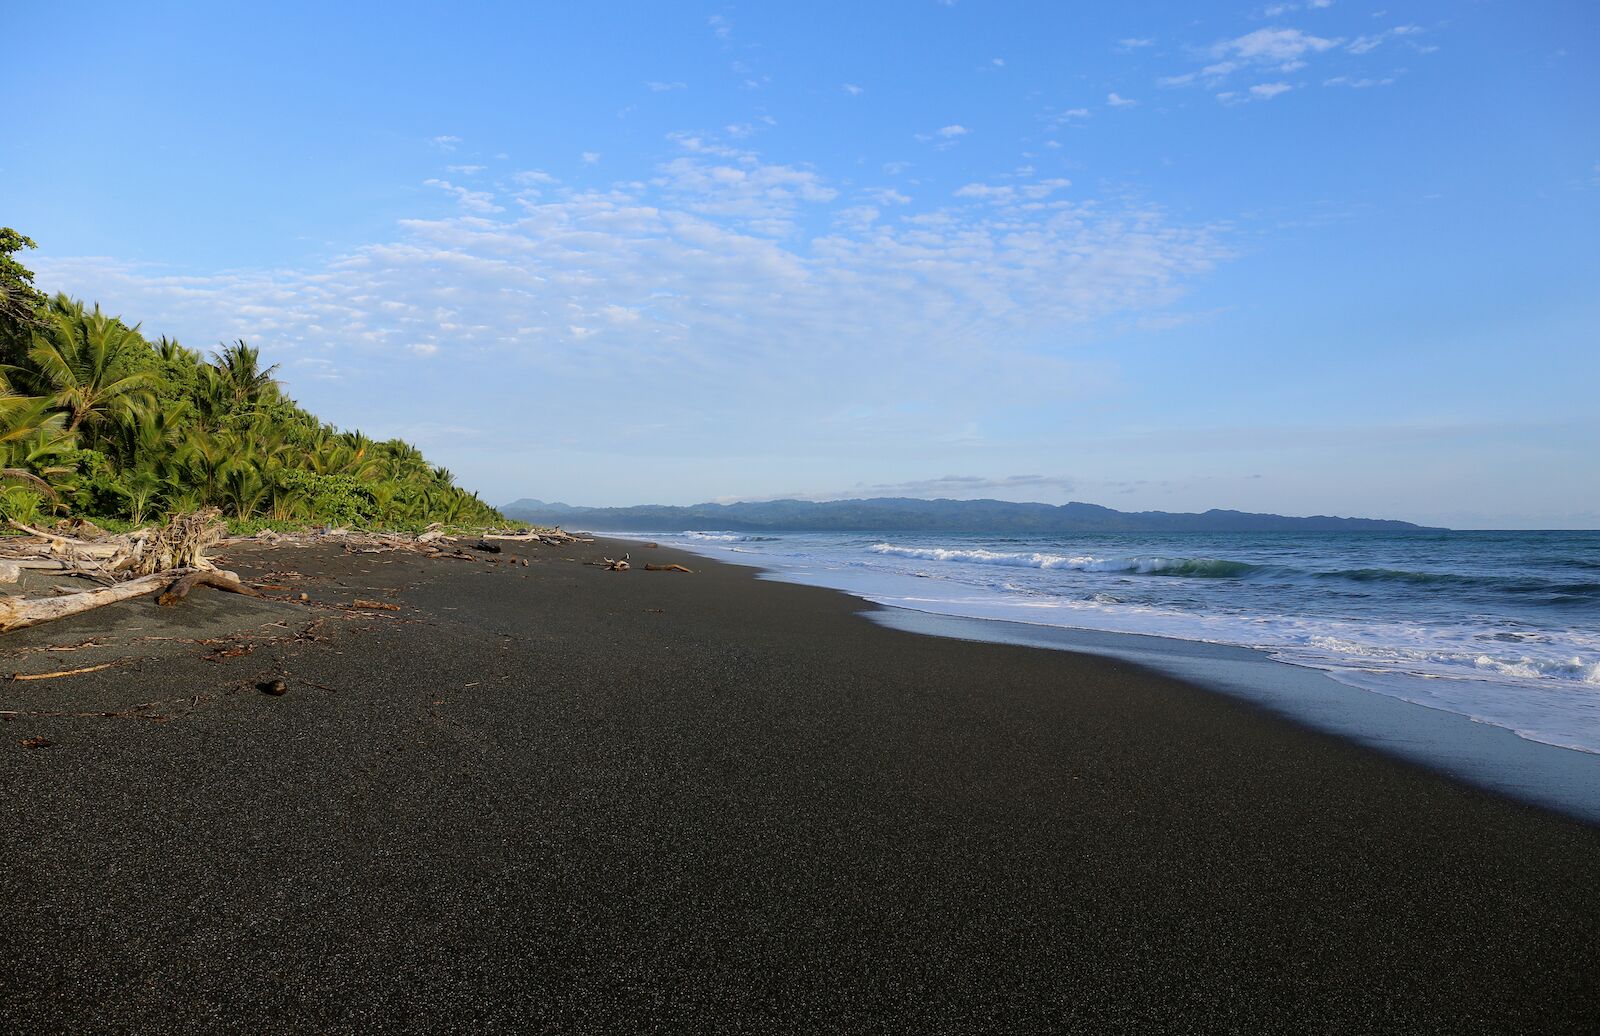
(557, 798)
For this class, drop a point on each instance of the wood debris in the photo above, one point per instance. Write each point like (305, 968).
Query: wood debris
(145, 561)
(70, 672)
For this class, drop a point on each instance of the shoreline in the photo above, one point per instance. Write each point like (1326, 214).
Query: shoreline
(554, 796)
(1458, 746)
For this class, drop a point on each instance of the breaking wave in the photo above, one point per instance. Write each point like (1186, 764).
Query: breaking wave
(1199, 568)
(726, 537)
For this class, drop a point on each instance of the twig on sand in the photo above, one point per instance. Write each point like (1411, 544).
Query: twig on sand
(71, 672)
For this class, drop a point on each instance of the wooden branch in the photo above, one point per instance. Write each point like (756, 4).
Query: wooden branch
(215, 578)
(20, 612)
(666, 568)
(68, 672)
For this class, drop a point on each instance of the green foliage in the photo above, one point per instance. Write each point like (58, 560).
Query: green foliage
(97, 421)
(19, 504)
(20, 301)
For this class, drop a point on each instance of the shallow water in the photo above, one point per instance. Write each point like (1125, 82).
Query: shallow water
(1499, 627)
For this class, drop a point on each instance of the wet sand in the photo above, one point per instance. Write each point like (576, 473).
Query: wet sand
(553, 797)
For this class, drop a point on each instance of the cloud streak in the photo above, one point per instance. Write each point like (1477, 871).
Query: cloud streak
(723, 292)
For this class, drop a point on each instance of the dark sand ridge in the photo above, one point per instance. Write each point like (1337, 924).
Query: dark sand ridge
(557, 797)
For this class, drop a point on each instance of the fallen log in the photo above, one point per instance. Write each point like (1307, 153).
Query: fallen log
(20, 612)
(666, 568)
(215, 578)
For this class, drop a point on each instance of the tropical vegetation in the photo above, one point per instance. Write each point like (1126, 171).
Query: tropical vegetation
(98, 421)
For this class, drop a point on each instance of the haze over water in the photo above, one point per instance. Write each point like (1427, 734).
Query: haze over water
(1503, 627)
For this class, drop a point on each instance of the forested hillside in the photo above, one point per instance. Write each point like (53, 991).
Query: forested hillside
(98, 420)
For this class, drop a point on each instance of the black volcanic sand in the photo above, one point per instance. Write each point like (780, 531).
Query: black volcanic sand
(557, 798)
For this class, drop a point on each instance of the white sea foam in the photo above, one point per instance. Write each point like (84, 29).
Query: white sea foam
(1364, 616)
(725, 537)
(1075, 562)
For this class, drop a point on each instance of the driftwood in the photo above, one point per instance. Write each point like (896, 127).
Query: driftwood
(20, 612)
(549, 537)
(666, 568)
(215, 578)
(67, 672)
(181, 543)
(170, 558)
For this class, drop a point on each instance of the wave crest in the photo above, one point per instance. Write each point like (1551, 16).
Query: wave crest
(1199, 568)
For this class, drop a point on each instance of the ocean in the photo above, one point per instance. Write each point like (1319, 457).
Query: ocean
(1499, 627)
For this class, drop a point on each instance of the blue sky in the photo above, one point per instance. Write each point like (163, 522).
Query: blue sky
(1306, 257)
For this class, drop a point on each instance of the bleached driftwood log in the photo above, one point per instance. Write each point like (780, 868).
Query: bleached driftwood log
(171, 558)
(20, 612)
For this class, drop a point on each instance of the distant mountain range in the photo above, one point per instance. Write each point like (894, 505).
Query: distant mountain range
(903, 514)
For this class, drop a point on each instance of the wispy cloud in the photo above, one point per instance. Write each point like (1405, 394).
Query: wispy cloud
(1118, 101)
(1274, 49)
(470, 200)
(945, 137)
(693, 283)
(1367, 44)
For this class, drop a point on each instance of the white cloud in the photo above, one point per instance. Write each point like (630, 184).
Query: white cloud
(1118, 101)
(1270, 46)
(945, 137)
(590, 157)
(465, 170)
(473, 201)
(1278, 9)
(1367, 44)
(887, 196)
(686, 304)
(445, 143)
(1135, 43)
(853, 90)
(721, 28)
(660, 87)
(1358, 84)
(1267, 91)
(1270, 49)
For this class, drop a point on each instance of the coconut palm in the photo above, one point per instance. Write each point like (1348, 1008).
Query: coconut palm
(85, 364)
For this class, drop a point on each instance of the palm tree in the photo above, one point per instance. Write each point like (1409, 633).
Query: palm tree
(240, 369)
(84, 364)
